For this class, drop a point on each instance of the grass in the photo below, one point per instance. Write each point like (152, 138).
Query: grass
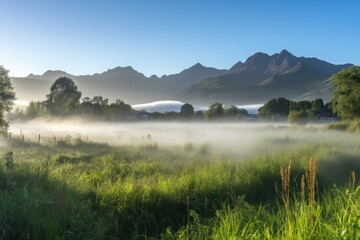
(349, 125)
(95, 191)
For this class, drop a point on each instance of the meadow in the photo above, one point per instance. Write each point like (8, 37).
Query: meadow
(181, 181)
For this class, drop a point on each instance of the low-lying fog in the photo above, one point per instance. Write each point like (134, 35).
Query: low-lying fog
(235, 137)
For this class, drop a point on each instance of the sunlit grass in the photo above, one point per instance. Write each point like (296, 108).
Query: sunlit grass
(185, 192)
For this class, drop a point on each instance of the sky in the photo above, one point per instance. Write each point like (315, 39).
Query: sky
(166, 36)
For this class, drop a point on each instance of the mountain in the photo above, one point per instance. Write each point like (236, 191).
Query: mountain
(121, 82)
(258, 79)
(262, 77)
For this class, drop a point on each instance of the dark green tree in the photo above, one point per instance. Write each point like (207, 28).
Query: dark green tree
(302, 105)
(119, 110)
(7, 96)
(99, 105)
(275, 109)
(317, 104)
(346, 97)
(35, 109)
(64, 97)
(215, 111)
(86, 107)
(187, 110)
(199, 115)
(299, 117)
(232, 112)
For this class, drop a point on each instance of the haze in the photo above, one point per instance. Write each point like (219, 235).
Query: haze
(238, 138)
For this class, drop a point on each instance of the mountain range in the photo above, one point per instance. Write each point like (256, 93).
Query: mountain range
(260, 78)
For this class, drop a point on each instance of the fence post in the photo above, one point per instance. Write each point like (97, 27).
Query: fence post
(39, 139)
(23, 138)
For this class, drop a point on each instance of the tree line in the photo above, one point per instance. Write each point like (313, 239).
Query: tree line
(345, 103)
(281, 109)
(64, 100)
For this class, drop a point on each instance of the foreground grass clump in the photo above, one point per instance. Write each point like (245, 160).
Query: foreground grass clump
(334, 215)
(95, 191)
(350, 126)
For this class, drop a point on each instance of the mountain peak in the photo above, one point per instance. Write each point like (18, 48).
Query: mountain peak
(236, 66)
(282, 61)
(128, 68)
(257, 60)
(285, 52)
(258, 55)
(197, 65)
(52, 72)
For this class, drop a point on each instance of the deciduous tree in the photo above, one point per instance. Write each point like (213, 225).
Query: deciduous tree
(7, 96)
(346, 98)
(187, 110)
(215, 110)
(63, 98)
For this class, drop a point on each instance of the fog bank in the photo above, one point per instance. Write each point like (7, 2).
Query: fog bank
(235, 137)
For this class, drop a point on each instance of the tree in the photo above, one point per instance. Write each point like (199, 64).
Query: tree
(215, 110)
(346, 97)
(300, 117)
(187, 110)
(275, 109)
(317, 104)
(86, 107)
(99, 105)
(7, 96)
(199, 115)
(35, 109)
(63, 98)
(302, 105)
(232, 112)
(119, 110)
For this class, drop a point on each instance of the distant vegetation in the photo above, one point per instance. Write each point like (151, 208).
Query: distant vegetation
(281, 109)
(64, 101)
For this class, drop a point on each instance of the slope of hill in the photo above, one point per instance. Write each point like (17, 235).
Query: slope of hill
(121, 82)
(260, 78)
(263, 77)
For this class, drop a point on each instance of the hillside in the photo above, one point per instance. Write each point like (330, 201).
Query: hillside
(263, 77)
(258, 79)
(121, 82)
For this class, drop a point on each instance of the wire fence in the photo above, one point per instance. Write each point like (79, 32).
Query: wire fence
(48, 140)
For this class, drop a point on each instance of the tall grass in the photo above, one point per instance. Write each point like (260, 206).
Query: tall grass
(102, 192)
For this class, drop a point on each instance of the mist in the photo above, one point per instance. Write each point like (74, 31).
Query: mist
(239, 138)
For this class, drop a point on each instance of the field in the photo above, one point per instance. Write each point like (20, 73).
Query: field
(180, 181)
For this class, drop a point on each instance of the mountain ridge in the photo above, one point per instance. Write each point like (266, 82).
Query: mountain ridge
(260, 77)
(120, 82)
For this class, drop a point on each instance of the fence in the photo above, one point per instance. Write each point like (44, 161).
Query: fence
(49, 140)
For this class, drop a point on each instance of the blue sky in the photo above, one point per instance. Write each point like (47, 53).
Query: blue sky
(167, 36)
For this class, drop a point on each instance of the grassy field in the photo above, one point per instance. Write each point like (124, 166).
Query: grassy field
(189, 191)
